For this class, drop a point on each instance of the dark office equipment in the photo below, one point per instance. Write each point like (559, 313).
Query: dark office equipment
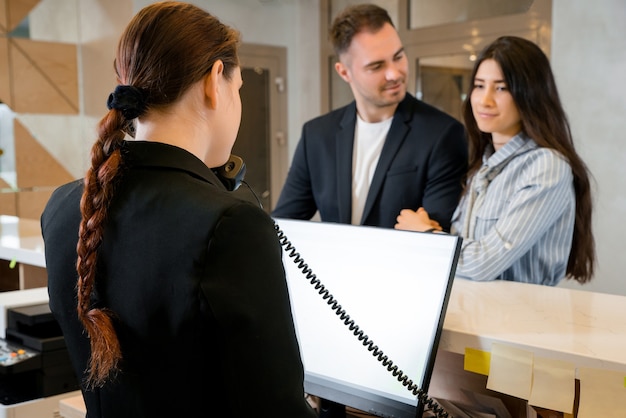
(34, 362)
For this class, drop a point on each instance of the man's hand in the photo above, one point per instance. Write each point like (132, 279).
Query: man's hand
(416, 220)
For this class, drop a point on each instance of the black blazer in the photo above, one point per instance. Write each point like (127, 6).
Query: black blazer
(196, 281)
(422, 163)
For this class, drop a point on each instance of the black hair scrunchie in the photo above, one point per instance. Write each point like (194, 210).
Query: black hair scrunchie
(130, 100)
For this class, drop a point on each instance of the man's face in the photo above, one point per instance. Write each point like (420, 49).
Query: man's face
(376, 68)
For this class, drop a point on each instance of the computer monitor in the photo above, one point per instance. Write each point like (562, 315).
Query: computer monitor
(390, 286)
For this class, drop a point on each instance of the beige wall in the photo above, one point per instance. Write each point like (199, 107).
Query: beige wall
(589, 61)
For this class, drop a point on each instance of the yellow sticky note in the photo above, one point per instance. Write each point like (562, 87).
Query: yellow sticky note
(602, 393)
(477, 361)
(554, 384)
(510, 371)
(12, 263)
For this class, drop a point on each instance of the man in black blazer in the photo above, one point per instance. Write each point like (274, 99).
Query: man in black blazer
(385, 151)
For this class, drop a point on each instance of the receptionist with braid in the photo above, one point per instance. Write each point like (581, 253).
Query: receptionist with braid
(170, 291)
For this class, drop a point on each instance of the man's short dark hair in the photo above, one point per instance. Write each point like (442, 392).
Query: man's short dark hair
(354, 19)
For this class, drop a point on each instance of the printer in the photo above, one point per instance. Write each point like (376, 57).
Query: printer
(34, 361)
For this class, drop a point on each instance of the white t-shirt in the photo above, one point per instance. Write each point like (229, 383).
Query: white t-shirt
(368, 143)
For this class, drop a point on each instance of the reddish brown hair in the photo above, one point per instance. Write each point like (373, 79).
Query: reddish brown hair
(166, 48)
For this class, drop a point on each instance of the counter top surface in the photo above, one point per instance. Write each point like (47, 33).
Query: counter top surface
(21, 240)
(586, 328)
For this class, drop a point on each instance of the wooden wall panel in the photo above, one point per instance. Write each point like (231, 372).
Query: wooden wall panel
(44, 77)
(34, 166)
(3, 17)
(8, 203)
(8, 199)
(5, 83)
(30, 204)
(32, 276)
(4, 184)
(14, 11)
(35, 77)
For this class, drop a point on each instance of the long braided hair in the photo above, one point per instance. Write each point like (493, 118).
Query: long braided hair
(166, 48)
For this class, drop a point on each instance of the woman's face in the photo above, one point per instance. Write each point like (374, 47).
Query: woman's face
(493, 106)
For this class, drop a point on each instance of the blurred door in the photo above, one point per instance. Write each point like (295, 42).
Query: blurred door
(261, 140)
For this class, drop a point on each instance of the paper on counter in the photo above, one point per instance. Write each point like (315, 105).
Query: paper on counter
(487, 404)
(602, 393)
(510, 371)
(553, 385)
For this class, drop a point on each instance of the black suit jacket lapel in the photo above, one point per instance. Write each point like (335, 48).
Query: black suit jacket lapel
(344, 147)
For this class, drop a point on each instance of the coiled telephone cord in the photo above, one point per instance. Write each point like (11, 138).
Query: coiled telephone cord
(429, 403)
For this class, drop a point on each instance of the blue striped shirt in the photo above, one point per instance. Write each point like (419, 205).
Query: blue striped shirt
(522, 230)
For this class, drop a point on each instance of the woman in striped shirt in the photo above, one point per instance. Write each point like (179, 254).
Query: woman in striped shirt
(525, 213)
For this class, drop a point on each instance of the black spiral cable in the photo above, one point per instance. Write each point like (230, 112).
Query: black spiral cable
(422, 396)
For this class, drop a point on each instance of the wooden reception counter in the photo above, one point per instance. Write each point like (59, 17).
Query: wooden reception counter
(544, 345)
(586, 328)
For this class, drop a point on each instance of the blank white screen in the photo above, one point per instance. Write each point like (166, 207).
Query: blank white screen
(393, 284)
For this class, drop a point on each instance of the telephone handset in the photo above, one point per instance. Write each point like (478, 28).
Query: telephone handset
(232, 173)
(427, 402)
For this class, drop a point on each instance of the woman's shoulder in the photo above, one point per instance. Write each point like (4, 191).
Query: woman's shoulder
(545, 162)
(65, 196)
(246, 211)
(546, 156)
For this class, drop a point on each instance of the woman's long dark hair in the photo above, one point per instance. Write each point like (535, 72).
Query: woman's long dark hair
(528, 76)
(166, 48)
